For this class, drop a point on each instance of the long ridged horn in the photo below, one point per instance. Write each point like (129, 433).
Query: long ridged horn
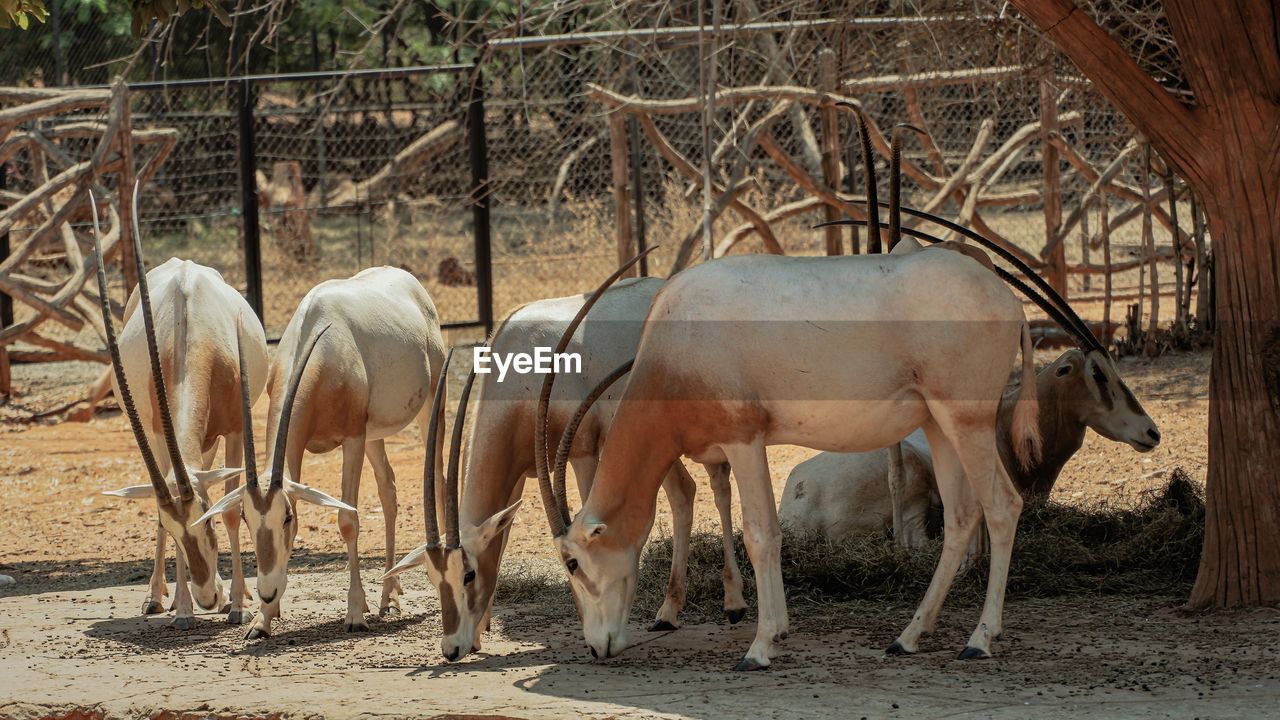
(286, 411)
(555, 514)
(113, 346)
(1072, 319)
(1050, 309)
(430, 518)
(185, 490)
(570, 430)
(451, 537)
(246, 415)
(895, 182)
(869, 170)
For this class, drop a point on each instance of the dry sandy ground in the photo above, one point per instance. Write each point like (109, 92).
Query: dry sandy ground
(71, 635)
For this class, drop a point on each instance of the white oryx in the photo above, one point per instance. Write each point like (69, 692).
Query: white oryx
(188, 342)
(355, 365)
(844, 354)
(499, 457)
(847, 494)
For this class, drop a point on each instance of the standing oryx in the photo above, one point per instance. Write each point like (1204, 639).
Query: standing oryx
(500, 456)
(355, 365)
(188, 342)
(846, 494)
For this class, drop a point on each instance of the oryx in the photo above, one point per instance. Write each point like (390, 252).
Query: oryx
(188, 341)
(500, 456)
(354, 366)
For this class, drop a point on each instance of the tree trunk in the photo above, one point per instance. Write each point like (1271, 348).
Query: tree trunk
(1227, 148)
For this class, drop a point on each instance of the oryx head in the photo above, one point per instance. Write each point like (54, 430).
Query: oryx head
(460, 568)
(1093, 390)
(603, 563)
(268, 508)
(181, 503)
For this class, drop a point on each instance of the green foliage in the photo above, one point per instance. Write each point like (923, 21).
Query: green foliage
(20, 13)
(142, 12)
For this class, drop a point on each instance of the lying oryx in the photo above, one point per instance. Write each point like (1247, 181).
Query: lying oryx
(189, 341)
(500, 456)
(847, 494)
(354, 366)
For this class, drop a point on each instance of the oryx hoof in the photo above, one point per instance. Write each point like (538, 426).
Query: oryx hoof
(389, 611)
(973, 653)
(256, 633)
(152, 607)
(226, 607)
(183, 622)
(897, 649)
(749, 664)
(662, 626)
(735, 615)
(356, 627)
(239, 617)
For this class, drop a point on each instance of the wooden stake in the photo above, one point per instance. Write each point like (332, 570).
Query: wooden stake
(1105, 219)
(1149, 247)
(830, 145)
(1056, 257)
(618, 152)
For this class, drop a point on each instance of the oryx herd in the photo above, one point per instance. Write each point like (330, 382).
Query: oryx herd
(910, 350)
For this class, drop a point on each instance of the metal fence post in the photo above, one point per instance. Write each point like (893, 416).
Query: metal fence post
(249, 200)
(479, 153)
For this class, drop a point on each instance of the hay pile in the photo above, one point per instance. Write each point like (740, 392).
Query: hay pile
(1148, 546)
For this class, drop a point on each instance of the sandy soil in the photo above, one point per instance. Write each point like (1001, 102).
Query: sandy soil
(71, 635)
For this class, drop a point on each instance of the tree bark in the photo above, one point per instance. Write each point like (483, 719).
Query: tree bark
(1227, 148)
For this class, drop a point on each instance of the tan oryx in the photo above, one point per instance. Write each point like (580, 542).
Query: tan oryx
(847, 494)
(500, 456)
(355, 365)
(181, 356)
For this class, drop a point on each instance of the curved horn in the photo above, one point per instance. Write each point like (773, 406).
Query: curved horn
(286, 411)
(451, 538)
(126, 396)
(869, 168)
(895, 182)
(157, 371)
(430, 520)
(1050, 309)
(246, 416)
(566, 439)
(555, 514)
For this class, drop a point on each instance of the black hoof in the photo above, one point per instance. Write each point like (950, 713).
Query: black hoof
(239, 617)
(152, 607)
(226, 608)
(390, 610)
(257, 633)
(183, 623)
(747, 665)
(735, 616)
(353, 627)
(972, 653)
(896, 649)
(661, 626)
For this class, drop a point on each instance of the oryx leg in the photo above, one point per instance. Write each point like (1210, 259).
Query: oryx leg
(897, 493)
(376, 451)
(236, 614)
(157, 589)
(763, 538)
(960, 516)
(183, 608)
(584, 471)
(1001, 506)
(735, 605)
(680, 490)
(349, 527)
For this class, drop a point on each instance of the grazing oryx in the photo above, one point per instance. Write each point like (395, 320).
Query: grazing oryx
(189, 341)
(847, 494)
(500, 456)
(354, 366)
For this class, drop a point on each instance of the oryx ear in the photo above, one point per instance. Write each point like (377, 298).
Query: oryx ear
(227, 502)
(133, 492)
(408, 562)
(497, 523)
(595, 530)
(206, 478)
(1090, 373)
(314, 496)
